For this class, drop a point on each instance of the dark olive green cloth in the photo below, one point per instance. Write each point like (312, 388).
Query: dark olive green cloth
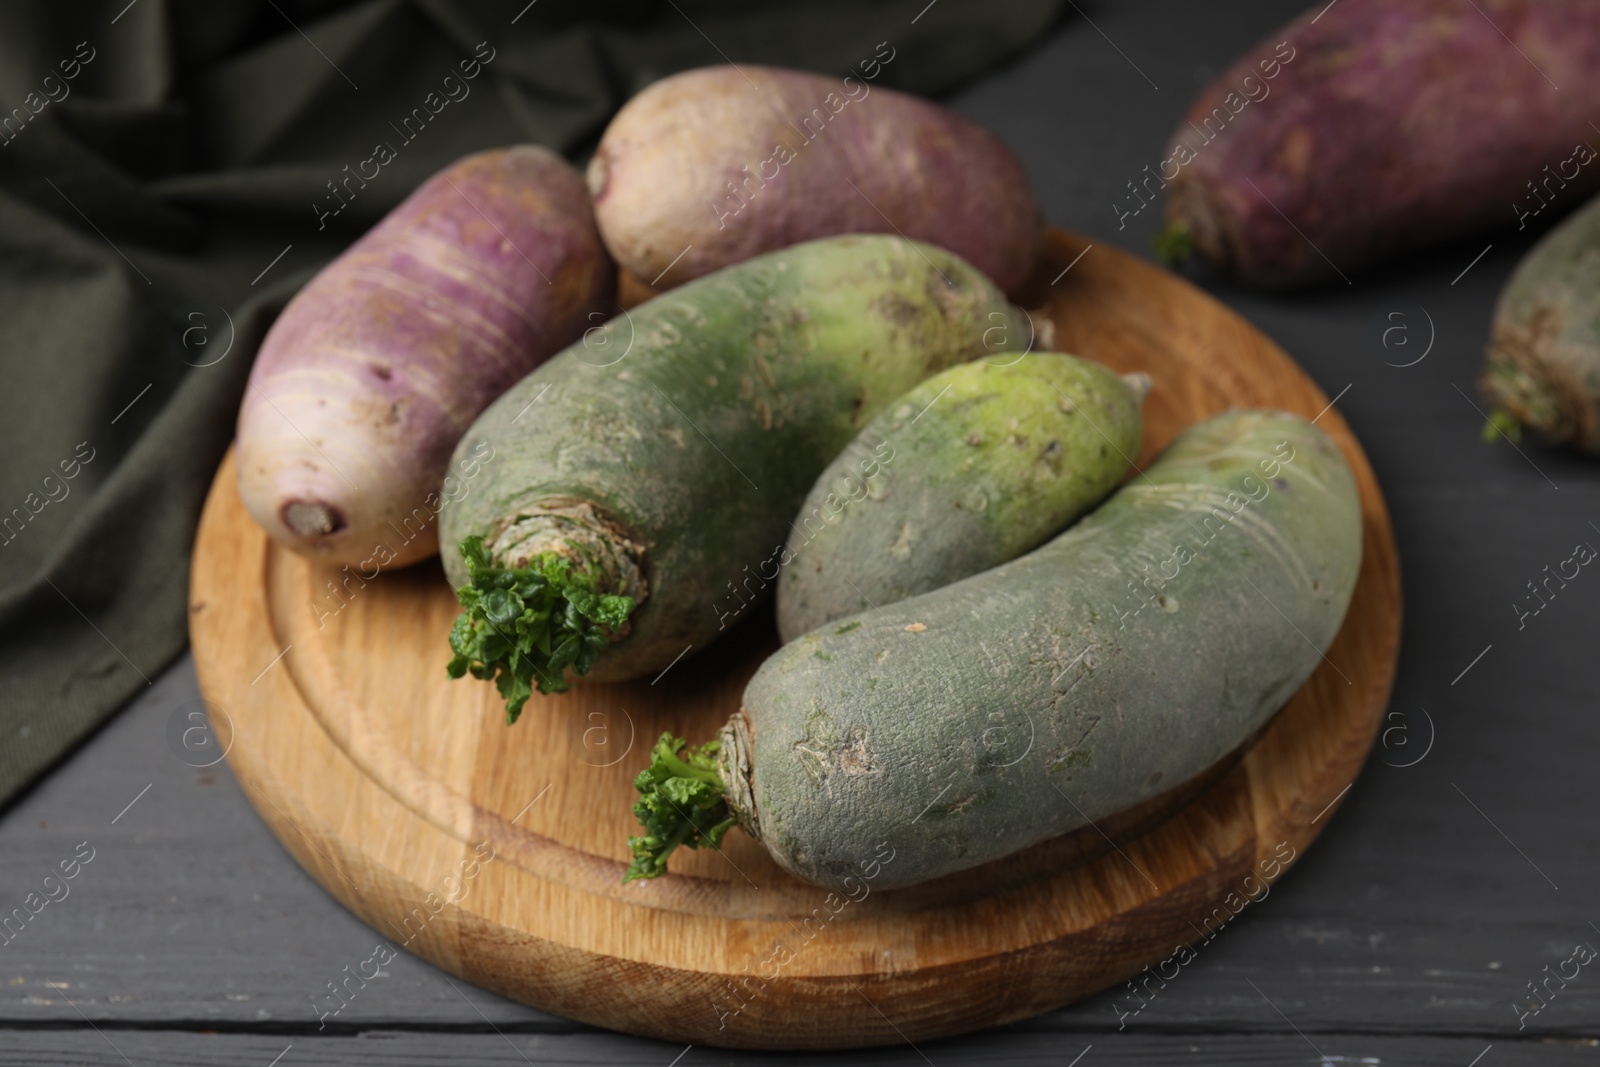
(164, 170)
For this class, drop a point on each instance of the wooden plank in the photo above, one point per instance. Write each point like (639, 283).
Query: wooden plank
(1003, 1049)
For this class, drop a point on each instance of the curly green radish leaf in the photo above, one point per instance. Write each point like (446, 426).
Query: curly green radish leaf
(680, 803)
(1501, 424)
(1174, 244)
(524, 626)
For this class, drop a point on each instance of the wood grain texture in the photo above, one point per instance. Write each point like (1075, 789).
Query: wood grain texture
(382, 777)
(401, 1048)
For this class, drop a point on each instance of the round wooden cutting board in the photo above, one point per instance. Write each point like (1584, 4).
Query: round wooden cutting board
(498, 853)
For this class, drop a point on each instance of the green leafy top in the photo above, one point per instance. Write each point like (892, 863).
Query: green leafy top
(1174, 244)
(1501, 424)
(524, 626)
(680, 803)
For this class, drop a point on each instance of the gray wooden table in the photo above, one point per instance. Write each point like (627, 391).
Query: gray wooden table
(1465, 860)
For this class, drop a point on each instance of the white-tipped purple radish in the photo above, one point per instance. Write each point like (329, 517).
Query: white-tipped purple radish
(377, 367)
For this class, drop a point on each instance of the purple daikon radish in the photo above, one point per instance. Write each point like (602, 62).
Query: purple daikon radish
(1367, 128)
(377, 367)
